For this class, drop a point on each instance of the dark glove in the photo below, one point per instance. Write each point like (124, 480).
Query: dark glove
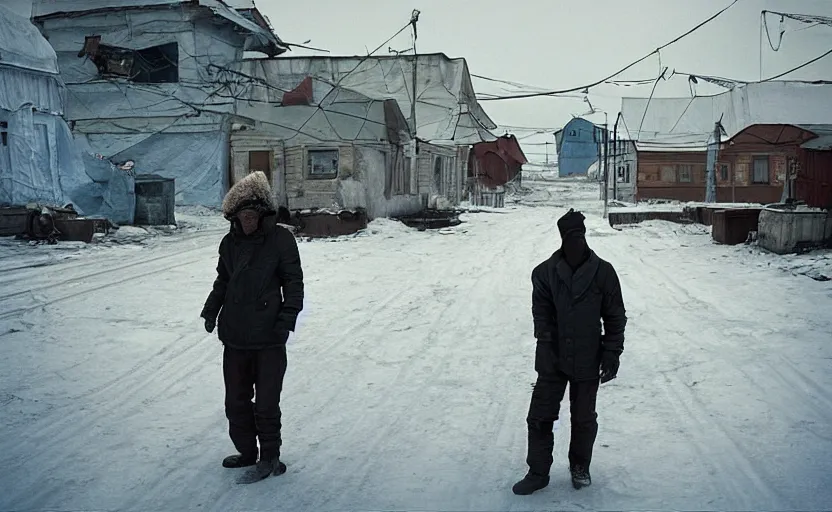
(209, 325)
(609, 365)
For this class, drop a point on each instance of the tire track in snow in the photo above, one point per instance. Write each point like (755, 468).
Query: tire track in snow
(427, 364)
(99, 275)
(48, 435)
(96, 287)
(40, 269)
(691, 409)
(735, 486)
(792, 378)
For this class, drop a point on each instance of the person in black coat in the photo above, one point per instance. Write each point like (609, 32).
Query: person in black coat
(257, 295)
(574, 291)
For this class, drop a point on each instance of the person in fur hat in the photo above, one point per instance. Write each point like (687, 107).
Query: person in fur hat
(255, 302)
(574, 291)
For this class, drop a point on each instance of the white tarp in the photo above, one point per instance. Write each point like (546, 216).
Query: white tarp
(22, 45)
(335, 114)
(447, 111)
(674, 124)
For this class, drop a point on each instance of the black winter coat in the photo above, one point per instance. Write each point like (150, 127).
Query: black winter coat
(258, 291)
(568, 311)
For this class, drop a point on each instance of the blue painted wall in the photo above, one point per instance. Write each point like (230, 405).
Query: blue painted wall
(576, 146)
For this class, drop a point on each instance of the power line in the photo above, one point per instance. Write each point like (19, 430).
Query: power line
(726, 81)
(653, 91)
(542, 89)
(622, 70)
(360, 62)
(807, 63)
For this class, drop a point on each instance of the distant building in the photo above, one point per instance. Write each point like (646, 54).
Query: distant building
(493, 164)
(775, 144)
(577, 147)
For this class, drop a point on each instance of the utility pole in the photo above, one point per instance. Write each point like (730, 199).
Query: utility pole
(713, 154)
(414, 18)
(606, 168)
(615, 145)
(547, 154)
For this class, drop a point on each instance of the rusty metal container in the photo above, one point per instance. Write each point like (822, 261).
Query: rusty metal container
(325, 224)
(732, 226)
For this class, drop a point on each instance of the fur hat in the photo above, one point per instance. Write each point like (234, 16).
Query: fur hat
(572, 223)
(253, 192)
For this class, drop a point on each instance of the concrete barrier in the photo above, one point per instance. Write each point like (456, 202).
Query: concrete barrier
(783, 230)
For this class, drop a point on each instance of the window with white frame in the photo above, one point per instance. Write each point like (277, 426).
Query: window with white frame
(761, 170)
(322, 163)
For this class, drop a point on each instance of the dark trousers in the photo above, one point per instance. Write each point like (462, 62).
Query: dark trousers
(246, 372)
(543, 412)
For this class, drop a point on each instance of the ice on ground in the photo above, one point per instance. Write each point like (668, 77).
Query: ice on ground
(410, 374)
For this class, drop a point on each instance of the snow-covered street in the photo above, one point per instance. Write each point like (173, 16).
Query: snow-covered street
(410, 374)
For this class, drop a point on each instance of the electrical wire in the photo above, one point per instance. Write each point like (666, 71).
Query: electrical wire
(364, 59)
(622, 70)
(653, 91)
(807, 63)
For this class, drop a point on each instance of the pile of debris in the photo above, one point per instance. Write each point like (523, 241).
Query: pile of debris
(49, 224)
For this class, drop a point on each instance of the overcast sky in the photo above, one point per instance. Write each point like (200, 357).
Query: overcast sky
(559, 44)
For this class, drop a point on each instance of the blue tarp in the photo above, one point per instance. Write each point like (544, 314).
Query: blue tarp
(40, 161)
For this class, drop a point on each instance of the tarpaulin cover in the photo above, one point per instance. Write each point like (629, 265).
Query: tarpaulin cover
(447, 111)
(335, 115)
(41, 161)
(22, 45)
(194, 160)
(679, 124)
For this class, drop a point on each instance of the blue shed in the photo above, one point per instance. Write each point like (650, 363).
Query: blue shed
(577, 147)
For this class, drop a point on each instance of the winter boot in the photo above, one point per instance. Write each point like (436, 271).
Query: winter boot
(239, 460)
(264, 469)
(530, 483)
(580, 476)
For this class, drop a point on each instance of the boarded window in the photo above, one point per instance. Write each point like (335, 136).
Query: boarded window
(261, 161)
(668, 173)
(154, 65)
(761, 171)
(322, 163)
(627, 173)
(685, 173)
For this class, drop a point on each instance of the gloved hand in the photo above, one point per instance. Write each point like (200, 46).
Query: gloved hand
(609, 365)
(209, 325)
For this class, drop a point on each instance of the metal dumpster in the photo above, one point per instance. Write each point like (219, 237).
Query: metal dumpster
(155, 201)
(732, 226)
